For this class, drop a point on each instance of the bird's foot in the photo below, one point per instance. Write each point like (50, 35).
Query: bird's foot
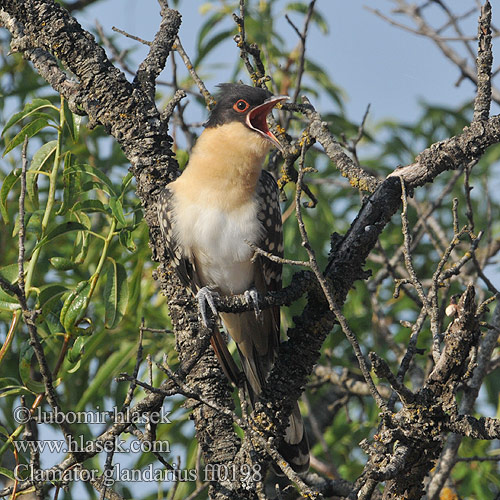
(206, 296)
(252, 298)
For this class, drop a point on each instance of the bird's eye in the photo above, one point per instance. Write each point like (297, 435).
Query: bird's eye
(241, 106)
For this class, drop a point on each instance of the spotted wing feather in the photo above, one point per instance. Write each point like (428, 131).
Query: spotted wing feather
(182, 266)
(269, 213)
(295, 447)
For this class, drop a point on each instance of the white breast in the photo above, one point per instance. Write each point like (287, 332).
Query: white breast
(217, 240)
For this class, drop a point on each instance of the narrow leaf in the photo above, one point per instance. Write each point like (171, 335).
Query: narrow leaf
(25, 372)
(62, 263)
(211, 44)
(72, 185)
(8, 382)
(115, 294)
(106, 183)
(7, 473)
(40, 158)
(29, 130)
(48, 293)
(7, 185)
(91, 206)
(75, 353)
(126, 181)
(105, 373)
(10, 272)
(63, 228)
(74, 307)
(42, 155)
(72, 122)
(14, 391)
(126, 240)
(116, 207)
(8, 302)
(30, 108)
(205, 29)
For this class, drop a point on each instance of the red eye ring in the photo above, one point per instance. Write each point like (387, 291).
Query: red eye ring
(241, 106)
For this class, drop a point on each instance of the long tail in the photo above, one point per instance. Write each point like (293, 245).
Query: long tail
(226, 361)
(257, 352)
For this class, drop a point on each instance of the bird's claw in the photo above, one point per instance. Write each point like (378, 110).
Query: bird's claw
(252, 298)
(206, 296)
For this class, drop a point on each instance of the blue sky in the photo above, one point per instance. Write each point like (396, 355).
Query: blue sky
(373, 62)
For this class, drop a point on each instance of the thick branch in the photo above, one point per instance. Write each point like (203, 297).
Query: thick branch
(155, 61)
(451, 153)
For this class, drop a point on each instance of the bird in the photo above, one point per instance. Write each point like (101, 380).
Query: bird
(222, 204)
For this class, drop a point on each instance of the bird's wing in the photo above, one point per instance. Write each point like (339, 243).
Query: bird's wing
(183, 267)
(295, 446)
(269, 214)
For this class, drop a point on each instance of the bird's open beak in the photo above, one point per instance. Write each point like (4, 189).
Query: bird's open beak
(256, 118)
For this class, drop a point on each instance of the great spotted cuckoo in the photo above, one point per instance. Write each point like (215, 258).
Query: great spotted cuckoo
(223, 202)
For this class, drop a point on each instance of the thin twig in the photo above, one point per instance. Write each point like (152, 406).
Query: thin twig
(331, 302)
(303, 38)
(276, 258)
(131, 389)
(22, 227)
(170, 107)
(133, 37)
(209, 100)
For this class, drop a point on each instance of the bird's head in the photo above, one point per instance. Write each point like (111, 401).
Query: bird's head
(247, 105)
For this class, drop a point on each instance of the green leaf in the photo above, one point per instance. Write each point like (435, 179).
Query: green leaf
(29, 130)
(62, 263)
(82, 241)
(316, 18)
(134, 296)
(207, 27)
(7, 185)
(29, 109)
(7, 473)
(7, 382)
(116, 207)
(72, 185)
(42, 155)
(126, 181)
(8, 303)
(25, 371)
(115, 294)
(91, 206)
(10, 272)
(33, 224)
(48, 293)
(105, 373)
(63, 228)
(38, 161)
(211, 44)
(105, 182)
(10, 386)
(14, 391)
(74, 308)
(77, 365)
(50, 319)
(72, 122)
(76, 352)
(126, 240)
(182, 157)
